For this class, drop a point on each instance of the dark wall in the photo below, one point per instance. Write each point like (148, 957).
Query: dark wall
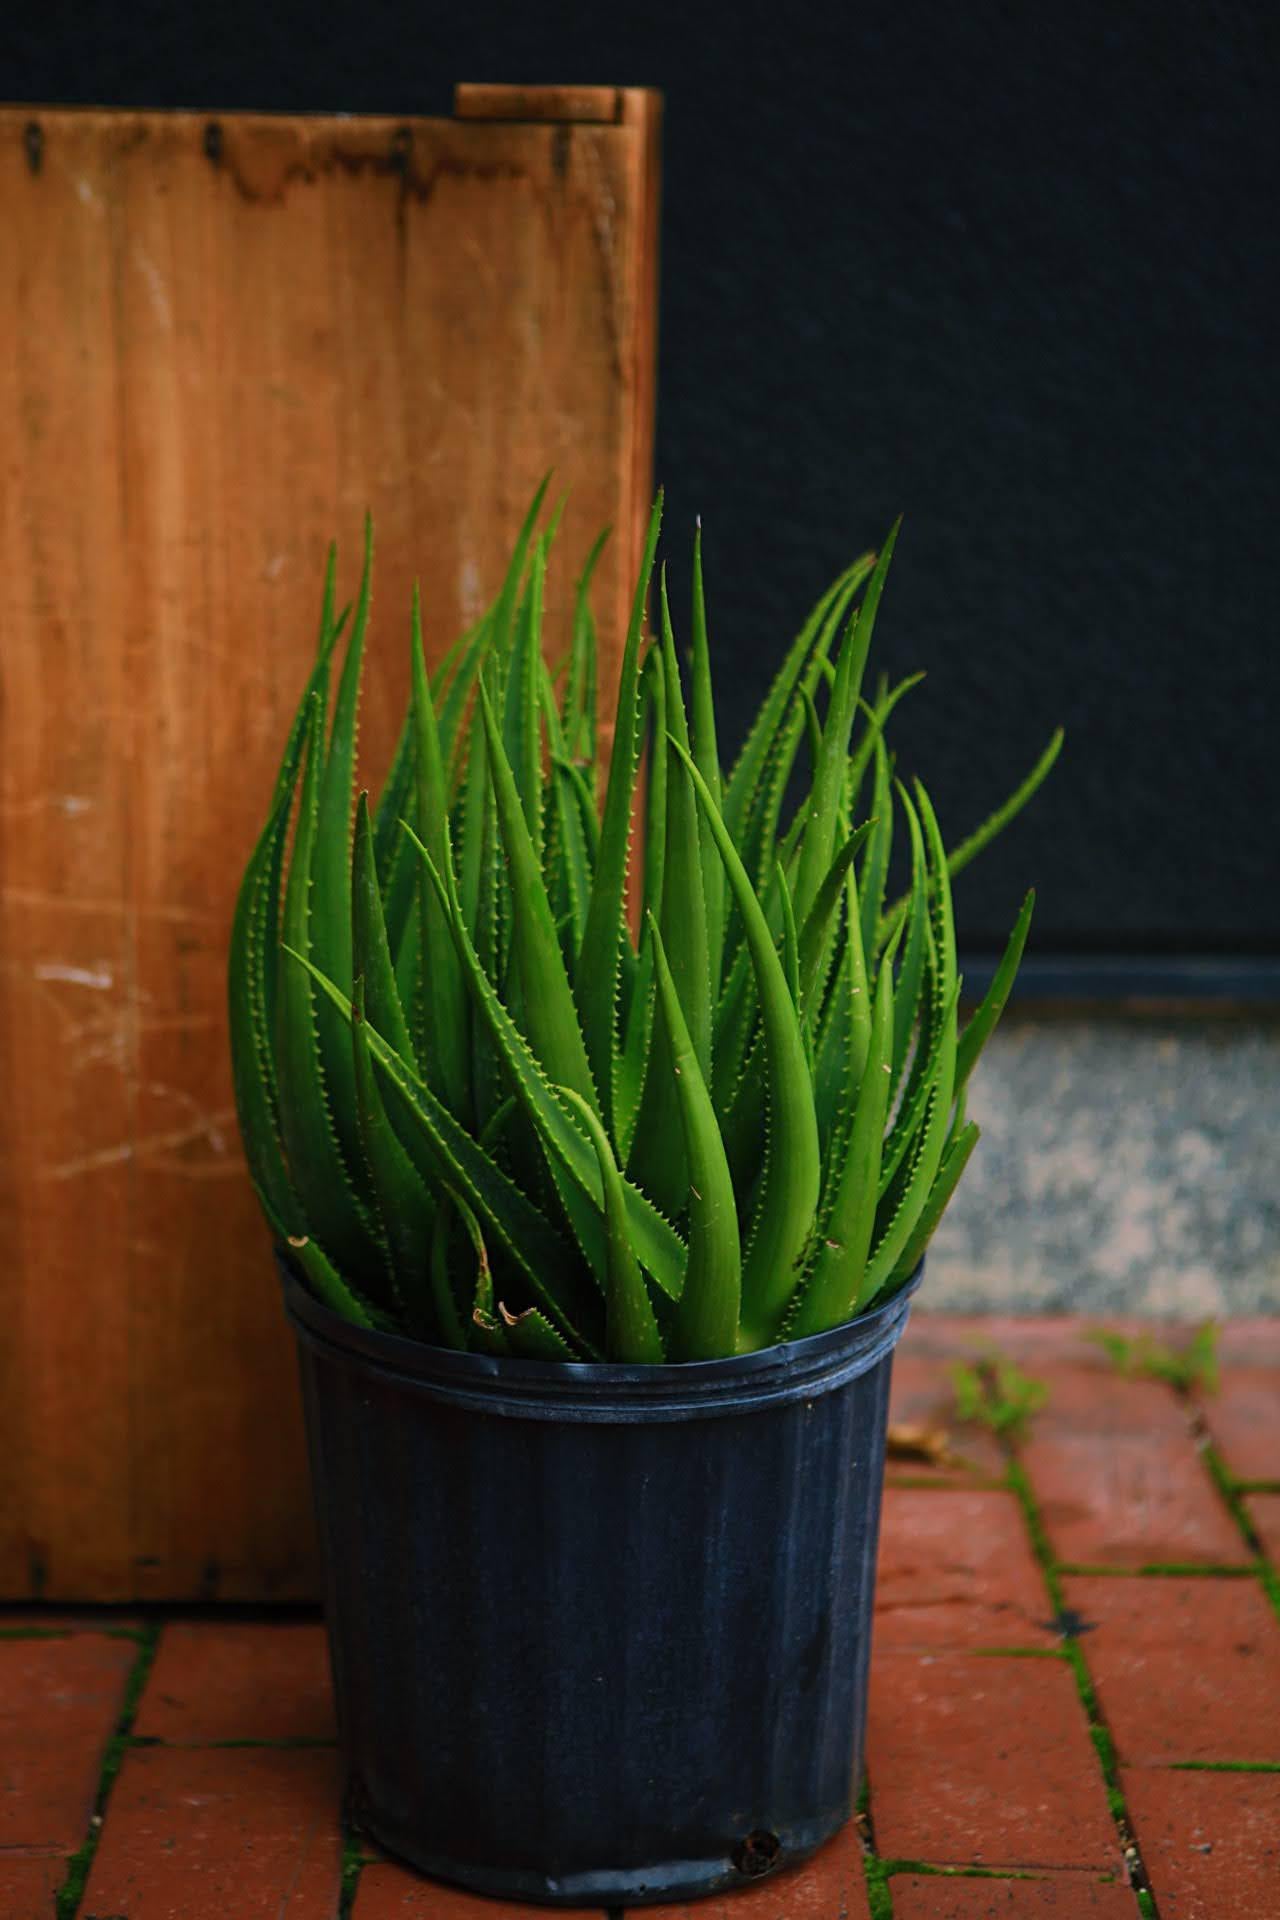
(1011, 269)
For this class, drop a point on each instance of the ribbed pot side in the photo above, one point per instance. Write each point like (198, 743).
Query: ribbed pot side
(599, 1634)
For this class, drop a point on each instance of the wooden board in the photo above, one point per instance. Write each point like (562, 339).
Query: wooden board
(220, 340)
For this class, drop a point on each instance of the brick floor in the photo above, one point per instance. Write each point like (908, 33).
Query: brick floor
(1263, 1510)
(238, 1682)
(29, 1884)
(226, 1797)
(1210, 1842)
(957, 1570)
(1060, 1896)
(207, 1833)
(1244, 1423)
(59, 1704)
(984, 1762)
(1185, 1669)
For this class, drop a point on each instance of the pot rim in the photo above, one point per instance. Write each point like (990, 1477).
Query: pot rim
(603, 1390)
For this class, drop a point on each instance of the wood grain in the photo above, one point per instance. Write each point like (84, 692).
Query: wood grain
(219, 341)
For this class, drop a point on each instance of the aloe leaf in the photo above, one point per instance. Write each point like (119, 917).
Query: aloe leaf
(877, 718)
(706, 755)
(706, 1322)
(656, 1241)
(447, 1321)
(398, 870)
(451, 707)
(790, 938)
(788, 1188)
(954, 1162)
(469, 849)
(600, 960)
(819, 930)
(749, 767)
(657, 1156)
(832, 1288)
(567, 855)
(995, 823)
(533, 1337)
(446, 1152)
(548, 997)
(926, 1160)
(586, 808)
(371, 947)
(911, 975)
(760, 831)
(330, 905)
(653, 687)
(328, 1284)
(521, 729)
(330, 1210)
(875, 864)
(915, 1102)
(403, 1205)
(504, 608)
(631, 1334)
(818, 840)
(578, 712)
(632, 1066)
(983, 1024)
(443, 1035)
(254, 932)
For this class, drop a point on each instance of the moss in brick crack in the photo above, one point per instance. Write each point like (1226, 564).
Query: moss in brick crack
(996, 1394)
(1157, 1570)
(1224, 1766)
(1146, 1358)
(879, 1899)
(353, 1862)
(1020, 1485)
(1019, 1653)
(71, 1892)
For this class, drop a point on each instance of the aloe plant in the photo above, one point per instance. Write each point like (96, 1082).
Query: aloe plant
(478, 1109)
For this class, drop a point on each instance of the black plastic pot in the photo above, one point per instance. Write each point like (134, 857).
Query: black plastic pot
(600, 1634)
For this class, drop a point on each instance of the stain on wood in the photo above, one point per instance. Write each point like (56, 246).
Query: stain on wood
(220, 339)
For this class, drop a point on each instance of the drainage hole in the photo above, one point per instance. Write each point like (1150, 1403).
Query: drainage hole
(758, 1853)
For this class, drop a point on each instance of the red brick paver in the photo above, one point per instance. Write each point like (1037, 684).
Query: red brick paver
(1185, 1669)
(1062, 1896)
(1118, 1477)
(923, 1400)
(831, 1886)
(984, 1762)
(1264, 1513)
(60, 1701)
(29, 1884)
(1243, 1419)
(389, 1892)
(1210, 1842)
(956, 1570)
(215, 1833)
(238, 1682)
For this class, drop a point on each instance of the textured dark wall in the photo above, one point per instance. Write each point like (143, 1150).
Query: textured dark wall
(1010, 268)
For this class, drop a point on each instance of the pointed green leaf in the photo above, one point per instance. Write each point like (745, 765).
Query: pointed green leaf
(832, 1288)
(707, 1318)
(444, 1151)
(632, 1332)
(788, 1190)
(549, 1005)
(330, 1211)
(984, 1022)
(600, 961)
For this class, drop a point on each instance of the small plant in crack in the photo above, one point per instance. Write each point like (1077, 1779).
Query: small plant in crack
(997, 1394)
(1143, 1357)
